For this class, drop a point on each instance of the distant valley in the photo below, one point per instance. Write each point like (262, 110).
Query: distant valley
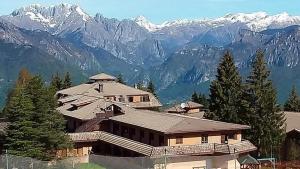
(179, 56)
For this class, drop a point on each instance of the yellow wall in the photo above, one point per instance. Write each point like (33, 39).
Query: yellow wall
(238, 138)
(194, 110)
(226, 162)
(192, 139)
(209, 162)
(214, 138)
(188, 139)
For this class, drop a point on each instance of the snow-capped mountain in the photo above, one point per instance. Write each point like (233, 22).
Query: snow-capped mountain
(40, 17)
(179, 56)
(255, 21)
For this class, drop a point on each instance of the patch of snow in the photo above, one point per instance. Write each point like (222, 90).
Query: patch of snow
(85, 17)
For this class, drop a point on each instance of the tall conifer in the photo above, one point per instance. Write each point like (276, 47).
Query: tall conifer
(120, 79)
(36, 129)
(293, 102)
(67, 81)
(56, 82)
(151, 88)
(262, 112)
(225, 92)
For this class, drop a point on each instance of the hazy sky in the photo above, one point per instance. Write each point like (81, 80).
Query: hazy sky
(158, 11)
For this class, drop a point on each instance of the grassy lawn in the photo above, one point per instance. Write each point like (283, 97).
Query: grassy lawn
(90, 166)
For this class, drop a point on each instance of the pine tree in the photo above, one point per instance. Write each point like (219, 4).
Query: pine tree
(49, 120)
(21, 133)
(201, 99)
(23, 78)
(293, 102)
(43, 132)
(225, 92)
(140, 86)
(67, 81)
(120, 79)
(261, 109)
(195, 97)
(56, 82)
(151, 88)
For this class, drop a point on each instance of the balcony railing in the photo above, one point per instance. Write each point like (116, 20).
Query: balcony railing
(199, 149)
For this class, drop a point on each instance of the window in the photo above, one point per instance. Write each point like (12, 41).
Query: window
(231, 136)
(224, 139)
(142, 134)
(115, 128)
(161, 140)
(204, 139)
(179, 140)
(121, 98)
(151, 139)
(131, 133)
(145, 98)
(130, 98)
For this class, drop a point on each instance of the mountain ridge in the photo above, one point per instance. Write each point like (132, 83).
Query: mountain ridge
(179, 56)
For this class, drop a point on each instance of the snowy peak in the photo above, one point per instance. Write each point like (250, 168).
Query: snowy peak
(143, 22)
(257, 21)
(50, 15)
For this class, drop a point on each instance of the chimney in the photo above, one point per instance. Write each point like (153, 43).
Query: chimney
(135, 85)
(100, 87)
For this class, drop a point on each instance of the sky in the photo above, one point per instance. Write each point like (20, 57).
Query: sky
(158, 11)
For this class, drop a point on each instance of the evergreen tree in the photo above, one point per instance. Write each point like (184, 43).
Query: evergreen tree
(225, 92)
(201, 99)
(56, 82)
(120, 79)
(23, 78)
(140, 86)
(67, 81)
(21, 133)
(151, 88)
(50, 122)
(45, 125)
(261, 109)
(195, 97)
(293, 102)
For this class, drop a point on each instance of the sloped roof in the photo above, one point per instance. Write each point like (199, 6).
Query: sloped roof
(248, 159)
(109, 89)
(193, 105)
(102, 76)
(172, 123)
(189, 105)
(85, 112)
(292, 120)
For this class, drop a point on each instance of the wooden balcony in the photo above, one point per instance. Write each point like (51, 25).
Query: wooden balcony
(170, 151)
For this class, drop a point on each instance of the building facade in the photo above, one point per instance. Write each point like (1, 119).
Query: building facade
(100, 122)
